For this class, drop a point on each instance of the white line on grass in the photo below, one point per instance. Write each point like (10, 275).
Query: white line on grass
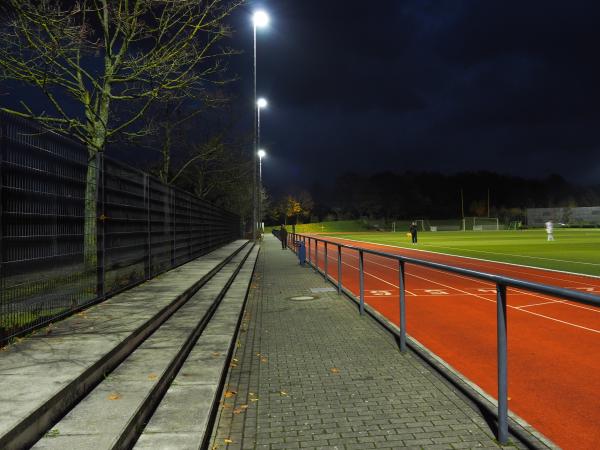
(470, 257)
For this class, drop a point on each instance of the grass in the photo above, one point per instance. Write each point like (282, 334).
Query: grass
(574, 250)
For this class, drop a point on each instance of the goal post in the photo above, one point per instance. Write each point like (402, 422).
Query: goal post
(481, 223)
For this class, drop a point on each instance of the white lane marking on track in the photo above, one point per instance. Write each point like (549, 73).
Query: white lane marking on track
(376, 277)
(537, 304)
(595, 277)
(519, 291)
(494, 301)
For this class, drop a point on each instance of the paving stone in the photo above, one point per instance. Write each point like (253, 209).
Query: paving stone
(336, 379)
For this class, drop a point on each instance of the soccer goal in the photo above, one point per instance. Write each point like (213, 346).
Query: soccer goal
(481, 223)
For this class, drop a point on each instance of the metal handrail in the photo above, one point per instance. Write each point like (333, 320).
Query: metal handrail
(500, 281)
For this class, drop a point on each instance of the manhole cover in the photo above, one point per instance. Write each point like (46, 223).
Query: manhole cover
(303, 297)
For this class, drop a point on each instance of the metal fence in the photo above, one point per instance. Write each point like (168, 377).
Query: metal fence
(319, 259)
(143, 227)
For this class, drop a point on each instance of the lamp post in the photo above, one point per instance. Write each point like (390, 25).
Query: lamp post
(261, 154)
(260, 19)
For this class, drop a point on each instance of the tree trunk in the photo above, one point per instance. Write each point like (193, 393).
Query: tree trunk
(90, 226)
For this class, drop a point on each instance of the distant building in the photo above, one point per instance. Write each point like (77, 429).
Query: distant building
(584, 215)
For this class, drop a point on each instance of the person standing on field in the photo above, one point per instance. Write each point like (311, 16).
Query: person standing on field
(550, 230)
(413, 232)
(283, 234)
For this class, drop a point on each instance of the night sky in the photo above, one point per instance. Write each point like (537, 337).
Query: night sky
(449, 86)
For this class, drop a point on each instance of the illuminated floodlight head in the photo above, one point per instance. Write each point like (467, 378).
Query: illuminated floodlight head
(262, 153)
(261, 103)
(260, 19)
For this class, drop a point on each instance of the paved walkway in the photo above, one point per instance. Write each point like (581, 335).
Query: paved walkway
(314, 374)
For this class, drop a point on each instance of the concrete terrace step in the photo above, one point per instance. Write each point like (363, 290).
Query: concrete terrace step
(183, 418)
(111, 415)
(46, 374)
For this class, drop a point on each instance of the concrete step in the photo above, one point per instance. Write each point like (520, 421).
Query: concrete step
(114, 412)
(184, 418)
(65, 361)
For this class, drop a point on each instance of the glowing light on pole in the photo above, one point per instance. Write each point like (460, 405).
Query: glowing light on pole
(261, 154)
(260, 19)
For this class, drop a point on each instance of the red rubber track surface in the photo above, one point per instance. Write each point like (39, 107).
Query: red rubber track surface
(553, 344)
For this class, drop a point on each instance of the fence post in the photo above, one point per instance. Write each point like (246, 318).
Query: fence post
(317, 255)
(325, 263)
(309, 257)
(402, 298)
(339, 267)
(3, 149)
(502, 365)
(100, 227)
(148, 258)
(361, 278)
(172, 211)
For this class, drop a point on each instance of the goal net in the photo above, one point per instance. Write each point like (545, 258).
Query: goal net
(480, 223)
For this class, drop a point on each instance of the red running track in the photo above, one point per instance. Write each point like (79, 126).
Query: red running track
(553, 344)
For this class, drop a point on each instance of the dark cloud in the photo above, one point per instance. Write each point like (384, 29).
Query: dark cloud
(425, 85)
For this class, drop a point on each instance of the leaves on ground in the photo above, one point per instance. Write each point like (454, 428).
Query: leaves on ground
(229, 394)
(228, 441)
(152, 376)
(114, 396)
(215, 354)
(283, 393)
(53, 432)
(263, 359)
(334, 370)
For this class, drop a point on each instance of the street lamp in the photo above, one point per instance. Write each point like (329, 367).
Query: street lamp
(261, 154)
(260, 19)
(260, 104)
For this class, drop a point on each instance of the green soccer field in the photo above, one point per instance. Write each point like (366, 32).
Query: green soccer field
(573, 250)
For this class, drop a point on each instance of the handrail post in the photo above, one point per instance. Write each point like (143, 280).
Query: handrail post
(309, 257)
(325, 264)
(317, 255)
(361, 277)
(402, 299)
(339, 277)
(502, 364)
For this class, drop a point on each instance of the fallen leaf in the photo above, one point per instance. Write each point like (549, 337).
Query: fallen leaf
(215, 354)
(283, 393)
(263, 359)
(244, 406)
(235, 359)
(152, 376)
(53, 432)
(229, 394)
(114, 396)
(233, 365)
(254, 399)
(238, 410)
(334, 370)
(228, 441)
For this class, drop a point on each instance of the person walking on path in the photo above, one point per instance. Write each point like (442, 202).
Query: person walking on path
(283, 234)
(413, 232)
(550, 230)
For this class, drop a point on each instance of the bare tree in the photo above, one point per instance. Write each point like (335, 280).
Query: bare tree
(89, 56)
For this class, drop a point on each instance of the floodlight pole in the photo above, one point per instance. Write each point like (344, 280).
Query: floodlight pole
(254, 153)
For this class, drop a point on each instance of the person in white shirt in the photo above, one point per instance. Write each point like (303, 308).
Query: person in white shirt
(550, 230)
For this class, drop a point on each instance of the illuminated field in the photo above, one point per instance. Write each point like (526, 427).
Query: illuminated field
(573, 250)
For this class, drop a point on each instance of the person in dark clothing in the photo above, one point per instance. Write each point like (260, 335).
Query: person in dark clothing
(413, 232)
(283, 234)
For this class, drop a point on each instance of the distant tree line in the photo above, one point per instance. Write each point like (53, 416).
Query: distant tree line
(431, 195)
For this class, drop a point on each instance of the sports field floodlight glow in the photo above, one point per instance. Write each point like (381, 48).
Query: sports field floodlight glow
(262, 153)
(262, 103)
(260, 19)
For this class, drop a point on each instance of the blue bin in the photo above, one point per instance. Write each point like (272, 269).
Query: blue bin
(301, 252)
